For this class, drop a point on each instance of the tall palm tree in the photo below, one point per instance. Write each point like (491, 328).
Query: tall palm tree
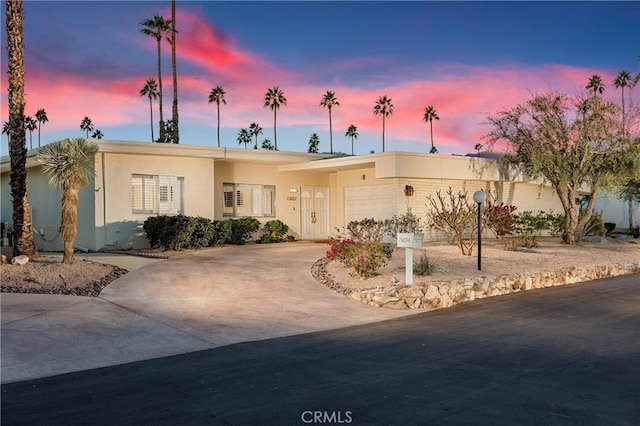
(273, 99)
(41, 116)
(244, 137)
(329, 101)
(314, 142)
(430, 114)
(70, 165)
(174, 69)
(87, 125)
(383, 107)
(352, 132)
(255, 130)
(622, 80)
(17, 138)
(595, 85)
(97, 134)
(150, 90)
(30, 124)
(156, 27)
(217, 96)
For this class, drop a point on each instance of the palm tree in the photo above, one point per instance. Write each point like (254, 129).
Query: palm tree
(97, 134)
(244, 137)
(70, 165)
(17, 138)
(150, 90)
(383, 107)
(41, 116)
(255, 130)
(352, 132)
(314, 142)
(329, 101)
(622, 80)
(174, 69)
(217, 96)
(595, 85)
(266, 144)
(156, 27)
(430, 114)
(86, 125)
(273, 99)
(30, 124)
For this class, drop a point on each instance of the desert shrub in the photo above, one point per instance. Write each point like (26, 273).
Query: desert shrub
(594, 226)
(452, 215)
(368, 230)
(424, 266)
(529, 222)
(364, 257)
(513, 243)
(221, 232)
(555, 223)
(275, 231)
(242, 229)
(498, 218)
(407, 222)
(153, 227)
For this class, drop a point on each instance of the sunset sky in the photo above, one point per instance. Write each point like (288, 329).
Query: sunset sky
(467, 59)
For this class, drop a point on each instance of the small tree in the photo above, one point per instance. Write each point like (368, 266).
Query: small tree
(452, 215)
(571, 141)
(70, 163)
(266, 144)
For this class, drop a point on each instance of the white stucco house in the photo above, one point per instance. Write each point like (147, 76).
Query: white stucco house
(312, 193)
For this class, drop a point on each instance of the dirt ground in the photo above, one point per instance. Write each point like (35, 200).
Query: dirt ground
(48, 275)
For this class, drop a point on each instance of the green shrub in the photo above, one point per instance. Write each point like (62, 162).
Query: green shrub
(202, 232)
(275, 231)
(242, 229)
(368, 230)
(153, 227)
(594, 226)
(176, 235)
(221, 232)
(424, 266)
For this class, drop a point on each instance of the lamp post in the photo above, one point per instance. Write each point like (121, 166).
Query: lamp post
(479, 197)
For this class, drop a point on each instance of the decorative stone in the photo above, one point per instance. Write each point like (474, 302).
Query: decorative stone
(356, 296)
(20, 260)
(432, 292)
(445, 301)
(413, 292)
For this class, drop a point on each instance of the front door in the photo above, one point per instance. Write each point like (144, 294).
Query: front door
(314, 210)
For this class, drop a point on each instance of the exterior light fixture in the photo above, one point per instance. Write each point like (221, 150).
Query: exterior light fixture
(293, 190)
(408, 190)
(479, 197)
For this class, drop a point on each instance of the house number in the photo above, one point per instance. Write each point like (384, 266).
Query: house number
(292, 198)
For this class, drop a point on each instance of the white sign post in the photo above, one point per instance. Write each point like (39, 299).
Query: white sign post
(409, 241)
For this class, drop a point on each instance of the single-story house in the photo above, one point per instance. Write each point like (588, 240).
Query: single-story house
(315, 194)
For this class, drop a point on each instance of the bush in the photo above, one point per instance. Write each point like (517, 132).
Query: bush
(534, 223)
(176, 235)
(275, 231)
(368, 230)
(499, 219)
(364, 257)
(424, 266)
(202, 232)
(452, 215)
(406, 223)
(242, 229)
(221, 232)
(153, 227)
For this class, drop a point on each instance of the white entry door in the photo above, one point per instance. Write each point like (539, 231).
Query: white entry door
(314, 211)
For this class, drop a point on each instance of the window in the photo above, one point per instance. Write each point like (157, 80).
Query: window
(156, 194)
(241, 199)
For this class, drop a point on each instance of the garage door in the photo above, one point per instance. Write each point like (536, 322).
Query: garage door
(375, 201)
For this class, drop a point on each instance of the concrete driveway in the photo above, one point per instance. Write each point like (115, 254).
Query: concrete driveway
(211, 298)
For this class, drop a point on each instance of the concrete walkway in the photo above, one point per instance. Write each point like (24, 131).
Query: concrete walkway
(206, 299)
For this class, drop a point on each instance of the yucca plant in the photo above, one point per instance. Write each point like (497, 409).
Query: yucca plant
(70, 164)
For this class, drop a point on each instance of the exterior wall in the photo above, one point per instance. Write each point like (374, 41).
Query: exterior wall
(287, 205)
(44, 203)
(616, 210)
(116, 226)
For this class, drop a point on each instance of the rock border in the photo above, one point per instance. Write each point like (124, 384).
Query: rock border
(445, 294)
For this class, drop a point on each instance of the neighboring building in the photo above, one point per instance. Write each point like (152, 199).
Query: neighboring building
(616, 210)
(314, 194)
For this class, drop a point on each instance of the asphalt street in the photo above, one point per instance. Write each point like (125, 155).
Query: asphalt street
(562, 355)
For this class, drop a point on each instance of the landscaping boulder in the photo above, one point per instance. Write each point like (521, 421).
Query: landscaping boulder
(20, 260)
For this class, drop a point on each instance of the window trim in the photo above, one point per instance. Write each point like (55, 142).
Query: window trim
(239, 199)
